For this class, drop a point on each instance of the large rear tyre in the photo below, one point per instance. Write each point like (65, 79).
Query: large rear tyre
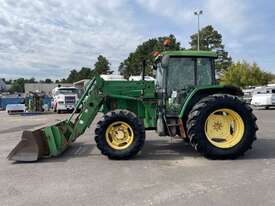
(221, 127)
(119, 134)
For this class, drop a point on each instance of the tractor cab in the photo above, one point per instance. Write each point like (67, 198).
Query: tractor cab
(179, 72)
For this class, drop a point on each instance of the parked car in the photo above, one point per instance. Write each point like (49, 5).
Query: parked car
(15, 108)
(264, 97)
(248, 93)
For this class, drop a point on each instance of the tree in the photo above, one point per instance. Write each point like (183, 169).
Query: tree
(48, 81)
(85, 73)
(243, 74)
(102, 66)
(273, 79)
(133, 64)
(73, 76)
(63, 81)
(18, 85)
(211, 40)
(31, 80)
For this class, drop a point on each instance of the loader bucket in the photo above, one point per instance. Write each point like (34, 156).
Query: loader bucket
(32, 146)
(43, 142)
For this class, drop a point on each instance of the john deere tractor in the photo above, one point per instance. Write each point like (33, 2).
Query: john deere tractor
(184, 101)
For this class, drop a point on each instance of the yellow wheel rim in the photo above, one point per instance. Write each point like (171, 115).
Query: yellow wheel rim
(224, 128)
(119, 135)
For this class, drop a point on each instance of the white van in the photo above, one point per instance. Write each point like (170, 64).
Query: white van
(264, 97)
(139, 78)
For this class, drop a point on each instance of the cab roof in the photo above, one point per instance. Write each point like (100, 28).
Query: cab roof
(190, 53)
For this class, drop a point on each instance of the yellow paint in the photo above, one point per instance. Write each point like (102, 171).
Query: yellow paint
(119, 135)
(224, 128)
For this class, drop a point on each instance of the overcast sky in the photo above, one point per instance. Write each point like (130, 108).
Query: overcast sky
(48, 38)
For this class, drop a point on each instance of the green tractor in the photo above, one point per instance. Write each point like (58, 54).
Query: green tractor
(185, 101)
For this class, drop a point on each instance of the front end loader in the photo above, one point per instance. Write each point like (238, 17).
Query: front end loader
(184, 101)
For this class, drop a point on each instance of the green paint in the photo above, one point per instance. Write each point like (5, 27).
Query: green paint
(57, 138)
(190, 53)
(136, 96)
(191, 95)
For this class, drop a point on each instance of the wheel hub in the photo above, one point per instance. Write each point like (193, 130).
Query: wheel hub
(119, 135)
(217, 126)
(224, 128)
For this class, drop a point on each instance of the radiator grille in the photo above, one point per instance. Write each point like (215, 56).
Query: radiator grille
(69, 99)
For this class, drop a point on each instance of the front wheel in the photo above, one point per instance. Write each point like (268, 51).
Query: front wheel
(120, 134)
(221, 127)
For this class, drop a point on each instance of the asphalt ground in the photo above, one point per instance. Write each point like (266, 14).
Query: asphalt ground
(166, 172)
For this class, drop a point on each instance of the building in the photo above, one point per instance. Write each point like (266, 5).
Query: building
(43, 87)
(82, 83)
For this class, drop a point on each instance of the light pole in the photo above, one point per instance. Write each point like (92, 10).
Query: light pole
(198, 13)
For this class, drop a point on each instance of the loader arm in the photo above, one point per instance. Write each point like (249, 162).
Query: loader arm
(89, 104)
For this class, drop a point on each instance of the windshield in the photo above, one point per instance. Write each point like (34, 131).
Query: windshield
(180, 73)
(67, 91)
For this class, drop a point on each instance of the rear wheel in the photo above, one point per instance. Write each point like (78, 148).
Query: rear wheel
(221, 127)
(120, 135)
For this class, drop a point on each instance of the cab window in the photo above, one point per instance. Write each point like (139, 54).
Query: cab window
(204, 71)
